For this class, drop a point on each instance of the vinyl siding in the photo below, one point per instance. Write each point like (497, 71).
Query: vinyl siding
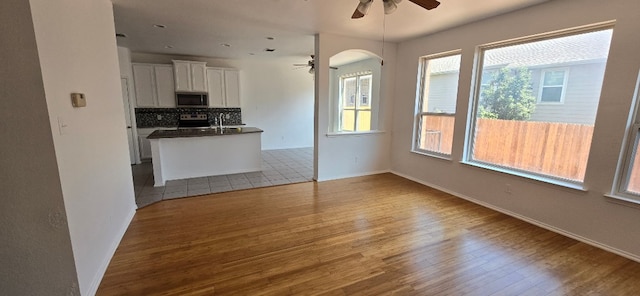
(581, 96)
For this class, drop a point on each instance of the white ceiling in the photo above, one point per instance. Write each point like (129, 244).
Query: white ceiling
(199, 27)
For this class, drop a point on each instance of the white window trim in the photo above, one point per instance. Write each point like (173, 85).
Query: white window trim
(629, 146)
(543, 73)
(422, 72)
(356, 108)
(475, 90)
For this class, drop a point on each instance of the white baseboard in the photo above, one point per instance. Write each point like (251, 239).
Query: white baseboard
(91, 290)
(353, 175)
(527, 219)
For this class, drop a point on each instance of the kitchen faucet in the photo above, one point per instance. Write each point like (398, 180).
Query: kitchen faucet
(220, 120)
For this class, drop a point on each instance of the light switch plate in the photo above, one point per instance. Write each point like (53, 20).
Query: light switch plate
(78, 100)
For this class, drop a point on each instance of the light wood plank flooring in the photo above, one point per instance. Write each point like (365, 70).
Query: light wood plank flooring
(371, 235)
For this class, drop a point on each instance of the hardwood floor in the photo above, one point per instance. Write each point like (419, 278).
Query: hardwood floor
(371, 235)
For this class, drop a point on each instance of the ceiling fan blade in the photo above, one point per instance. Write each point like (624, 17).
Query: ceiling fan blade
(426, 4)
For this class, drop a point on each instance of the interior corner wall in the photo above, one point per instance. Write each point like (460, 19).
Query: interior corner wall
(589, 216)
(77, 51)
(360, 154)
(35, 247)
(274, 96)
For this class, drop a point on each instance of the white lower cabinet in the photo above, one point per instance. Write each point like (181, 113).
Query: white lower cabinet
(144, 143)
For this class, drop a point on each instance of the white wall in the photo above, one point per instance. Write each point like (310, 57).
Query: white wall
(36, 257)
(77, 50)
(351, 155)
(586, 215)
(275, 97)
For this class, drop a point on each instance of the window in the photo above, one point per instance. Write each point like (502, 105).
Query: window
(355, 102)
(552, 86)
(436, 102)
(511, 131)
(628, 178)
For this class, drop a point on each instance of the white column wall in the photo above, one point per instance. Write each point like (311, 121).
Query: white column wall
(353, 155)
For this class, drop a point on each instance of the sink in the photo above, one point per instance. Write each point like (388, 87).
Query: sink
(230, 130)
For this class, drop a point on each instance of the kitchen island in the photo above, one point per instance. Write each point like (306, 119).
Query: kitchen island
(191, 153)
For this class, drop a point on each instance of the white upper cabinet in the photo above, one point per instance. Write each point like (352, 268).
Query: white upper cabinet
(199, 77)
(154, 85)
(164, 86)
(224, 88)
(215, 81)
(190, 76)
(232, 87)
(144, 80)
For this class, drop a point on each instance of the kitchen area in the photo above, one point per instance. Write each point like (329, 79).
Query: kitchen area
(188, 137)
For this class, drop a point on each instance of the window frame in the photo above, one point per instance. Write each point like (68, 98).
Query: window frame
(420, 99)
(357, 107)
(630, 146)
(476, 91)
(563, 91)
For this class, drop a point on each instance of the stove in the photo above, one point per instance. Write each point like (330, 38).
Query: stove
(193, 120)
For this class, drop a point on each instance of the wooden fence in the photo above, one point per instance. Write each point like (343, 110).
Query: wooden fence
(556, 149)
(437, 133)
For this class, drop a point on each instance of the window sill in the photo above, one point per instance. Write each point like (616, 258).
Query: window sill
(342, 134)
(564, 184)
(622, 200)
(434, 155)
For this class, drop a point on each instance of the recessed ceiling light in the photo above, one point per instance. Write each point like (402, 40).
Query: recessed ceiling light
(159, 26)
(168, 46)
(121, 35)
(269, 49)
(270, 38)
(225, 44)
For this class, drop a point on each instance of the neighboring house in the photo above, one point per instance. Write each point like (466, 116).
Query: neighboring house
(565, 81)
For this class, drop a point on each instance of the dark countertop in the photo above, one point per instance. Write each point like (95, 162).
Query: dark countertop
(203, 132)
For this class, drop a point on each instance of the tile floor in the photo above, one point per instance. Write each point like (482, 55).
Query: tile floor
(279, 167)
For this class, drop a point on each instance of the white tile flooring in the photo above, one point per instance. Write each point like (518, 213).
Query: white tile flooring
(279, 167)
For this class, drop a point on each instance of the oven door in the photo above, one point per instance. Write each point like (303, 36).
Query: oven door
(191, 100)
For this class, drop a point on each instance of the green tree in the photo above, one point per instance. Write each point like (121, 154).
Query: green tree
(508, 96)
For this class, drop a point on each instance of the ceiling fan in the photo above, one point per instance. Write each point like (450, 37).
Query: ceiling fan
(391, 6)
(311, 65)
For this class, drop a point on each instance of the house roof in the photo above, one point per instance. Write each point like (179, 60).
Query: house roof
(575, 48)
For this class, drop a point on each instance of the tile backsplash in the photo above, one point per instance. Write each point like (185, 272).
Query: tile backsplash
(168, 117)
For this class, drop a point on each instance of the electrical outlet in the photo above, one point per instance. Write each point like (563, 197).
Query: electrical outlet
(507, 188)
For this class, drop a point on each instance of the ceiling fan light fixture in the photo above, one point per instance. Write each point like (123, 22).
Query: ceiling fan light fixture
(389, 6)
(364, 5)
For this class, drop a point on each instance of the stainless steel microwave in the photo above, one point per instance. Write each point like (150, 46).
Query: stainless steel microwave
(192, 100)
